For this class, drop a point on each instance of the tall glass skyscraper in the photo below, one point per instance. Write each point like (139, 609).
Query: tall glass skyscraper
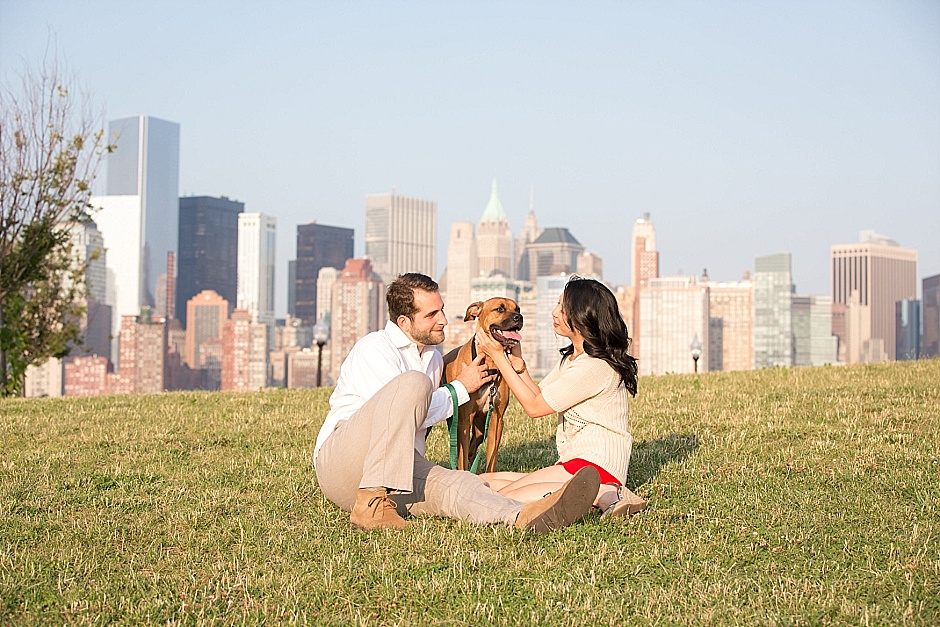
(138, 215)
(930, 313)
(208, 250)
(318, 246)
(907, 334)
(773, 322)
(257, 237)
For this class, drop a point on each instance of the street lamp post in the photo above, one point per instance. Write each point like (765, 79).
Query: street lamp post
(696, 350)
(321, 333)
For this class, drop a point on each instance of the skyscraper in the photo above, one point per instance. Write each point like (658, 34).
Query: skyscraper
(292, 287)
(462, 268)
(86, 376)
(400, 235)
(930, 313)
(675, 311)
(773, 323)
(358, 308)
(530, 233)
(45, 379)
(208, 250)
(907, 334)
(143, 350)
(494, 239)
(589, 264)
(318, 246)
(644, 265)
(257, 238)
(731, 325)
(326, 279)
(244, 353)
(138, 217)
(813, 341)
(88, 249)
(869, 278)
(554, 252)
(207, 313)
(548, 289)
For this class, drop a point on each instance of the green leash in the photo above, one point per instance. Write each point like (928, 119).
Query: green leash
(452, 427)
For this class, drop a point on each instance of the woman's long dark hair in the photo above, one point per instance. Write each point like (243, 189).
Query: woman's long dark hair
(591, 309)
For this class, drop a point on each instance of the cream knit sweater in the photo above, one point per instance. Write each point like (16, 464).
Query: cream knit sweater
(593, 411)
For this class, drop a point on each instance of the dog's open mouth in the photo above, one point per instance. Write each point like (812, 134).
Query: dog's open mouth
(506, 337)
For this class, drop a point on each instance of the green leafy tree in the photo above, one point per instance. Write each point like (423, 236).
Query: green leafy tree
(50, 151)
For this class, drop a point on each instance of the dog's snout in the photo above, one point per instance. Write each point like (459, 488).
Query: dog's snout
(517, 317)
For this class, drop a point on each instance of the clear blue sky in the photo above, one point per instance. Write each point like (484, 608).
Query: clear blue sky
(744, 128)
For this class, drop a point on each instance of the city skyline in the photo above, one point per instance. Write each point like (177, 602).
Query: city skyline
(745, 130)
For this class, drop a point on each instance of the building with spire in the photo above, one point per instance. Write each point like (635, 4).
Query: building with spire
(494, 239)
(530, 233)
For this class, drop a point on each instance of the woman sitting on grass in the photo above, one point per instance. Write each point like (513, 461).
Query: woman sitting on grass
(588, 389)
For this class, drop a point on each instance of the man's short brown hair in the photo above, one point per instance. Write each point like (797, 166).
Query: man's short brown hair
(400, 295)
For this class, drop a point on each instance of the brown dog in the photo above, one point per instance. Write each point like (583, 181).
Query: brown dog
(500, 318)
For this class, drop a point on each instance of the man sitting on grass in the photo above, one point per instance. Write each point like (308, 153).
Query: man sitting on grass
(387, 396)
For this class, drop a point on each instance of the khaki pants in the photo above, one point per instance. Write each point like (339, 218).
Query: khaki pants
(375, 448)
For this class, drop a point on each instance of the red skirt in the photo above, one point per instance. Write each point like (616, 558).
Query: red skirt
(576, 464)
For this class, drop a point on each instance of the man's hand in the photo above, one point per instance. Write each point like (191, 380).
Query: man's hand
(474, 375)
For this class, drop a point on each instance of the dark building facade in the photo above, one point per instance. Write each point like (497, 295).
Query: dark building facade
(554, 251)
(318, 246)
(930, 310)
(207, 253)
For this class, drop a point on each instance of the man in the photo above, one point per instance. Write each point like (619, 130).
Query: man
(387, 396)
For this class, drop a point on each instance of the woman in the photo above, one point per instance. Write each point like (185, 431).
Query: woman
(588, 390)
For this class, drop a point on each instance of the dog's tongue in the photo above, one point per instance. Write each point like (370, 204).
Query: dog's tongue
(511, 335)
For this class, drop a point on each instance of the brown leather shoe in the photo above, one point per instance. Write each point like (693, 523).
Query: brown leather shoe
(374, 510)
(563, 506)
(627, 505)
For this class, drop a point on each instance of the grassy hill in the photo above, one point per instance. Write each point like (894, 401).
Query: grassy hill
(782, 496)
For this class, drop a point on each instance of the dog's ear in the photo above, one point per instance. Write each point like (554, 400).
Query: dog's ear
(473, 311)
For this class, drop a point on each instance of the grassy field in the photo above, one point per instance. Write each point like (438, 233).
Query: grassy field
(783, 496)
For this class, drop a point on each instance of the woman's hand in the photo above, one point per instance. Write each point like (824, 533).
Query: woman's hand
(488, 346)
(496, 351)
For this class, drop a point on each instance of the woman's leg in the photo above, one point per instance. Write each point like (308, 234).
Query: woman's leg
(534, 485)
(498, 480)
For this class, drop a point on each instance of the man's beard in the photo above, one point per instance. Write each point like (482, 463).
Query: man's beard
(429, 338)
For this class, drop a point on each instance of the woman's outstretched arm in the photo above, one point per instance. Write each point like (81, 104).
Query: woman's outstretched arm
(527, 392)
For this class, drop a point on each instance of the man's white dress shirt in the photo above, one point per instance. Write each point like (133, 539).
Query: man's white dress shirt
(375, 360)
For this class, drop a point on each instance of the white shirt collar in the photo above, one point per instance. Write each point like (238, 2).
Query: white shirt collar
(402, 341)
(397, 336)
